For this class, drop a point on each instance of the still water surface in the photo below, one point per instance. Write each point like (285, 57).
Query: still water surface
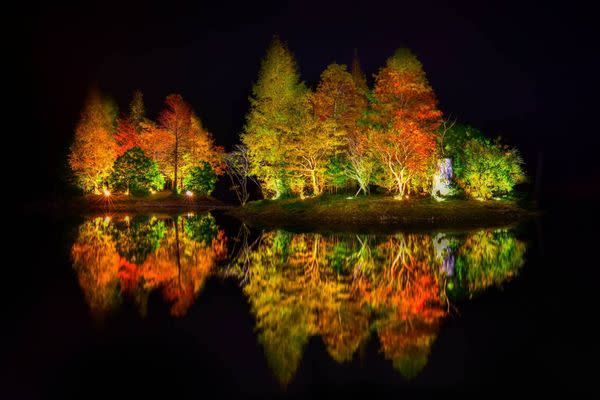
(279, 312)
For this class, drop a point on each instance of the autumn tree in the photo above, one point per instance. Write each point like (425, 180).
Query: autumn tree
(179, 142)
(404, 122)
(332, 112)
(130, 126)
(126, 136)
(94, 149)
(276, 111)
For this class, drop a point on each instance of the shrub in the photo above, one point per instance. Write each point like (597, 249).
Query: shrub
(484, 169)
(201, 180)
(136, 173)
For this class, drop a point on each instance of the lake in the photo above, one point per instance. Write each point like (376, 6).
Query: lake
(184, 303)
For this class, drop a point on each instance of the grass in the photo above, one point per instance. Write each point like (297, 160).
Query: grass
(159, 200)
(340, 212)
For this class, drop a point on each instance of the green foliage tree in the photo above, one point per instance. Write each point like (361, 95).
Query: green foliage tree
(453, 137)
(485, 169)
(201, 180)
(136, 173)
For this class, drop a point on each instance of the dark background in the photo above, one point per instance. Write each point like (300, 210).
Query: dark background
(523, 70)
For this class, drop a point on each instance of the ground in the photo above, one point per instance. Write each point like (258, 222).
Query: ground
(379, 212)
(164, 200)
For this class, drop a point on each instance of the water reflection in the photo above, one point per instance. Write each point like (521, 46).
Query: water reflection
(344, 288)
(123, 256)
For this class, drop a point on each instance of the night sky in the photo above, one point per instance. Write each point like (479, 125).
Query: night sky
(522, 71)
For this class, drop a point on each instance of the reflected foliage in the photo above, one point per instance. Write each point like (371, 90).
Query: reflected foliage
(343, 289)
(123, 257)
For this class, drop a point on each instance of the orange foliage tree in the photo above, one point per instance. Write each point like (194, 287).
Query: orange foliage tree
(94, 149)
(179, 142)
(404, 123)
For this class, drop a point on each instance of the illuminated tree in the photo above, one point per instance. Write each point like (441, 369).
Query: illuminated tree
(404, 123)
(310, 149)
(179, 142)
(126, 137)
(238, 168)
(134, 172)
(129, 127)
(332, 114)
(200, 180)
(484, 169)
(94, 150)
(276, 111)
(362, 162)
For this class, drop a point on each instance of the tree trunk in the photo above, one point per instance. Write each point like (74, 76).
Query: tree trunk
(176, 162)
(315, 185)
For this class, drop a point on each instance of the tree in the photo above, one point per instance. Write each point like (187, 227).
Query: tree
(126, 136)
(238, 169)
(201, 180)
(276, 111)
(94, 149)
(484, 169)
(311, 148)
(360, 80)
(134, 172)
(179, 142)
(130, 126)
(137, 111)
(404, 122)
(362, 164)
(331, 114)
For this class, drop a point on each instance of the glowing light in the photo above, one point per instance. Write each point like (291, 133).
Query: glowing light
(127, 192)
(189, 193)
(126, 218)
(105, 192)
(107, 219)
(190, 214)
(152, 191)
(350, 198)
(442, 179)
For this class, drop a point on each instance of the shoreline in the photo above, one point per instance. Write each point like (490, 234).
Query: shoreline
(329, 213)
(335, 213)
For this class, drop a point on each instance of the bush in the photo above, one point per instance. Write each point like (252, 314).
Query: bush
(484, 169)
(201, 180)
(136, 173)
